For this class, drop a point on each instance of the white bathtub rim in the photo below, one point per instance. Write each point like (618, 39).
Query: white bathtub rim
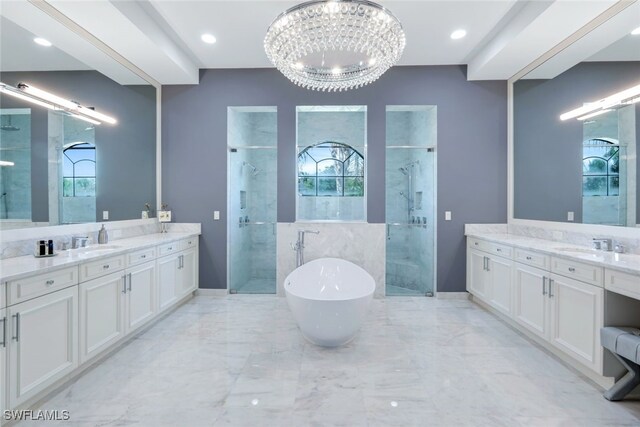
(367, 283)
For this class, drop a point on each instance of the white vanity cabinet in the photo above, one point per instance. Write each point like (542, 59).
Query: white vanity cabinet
(102, 305)
(56, 320)
(559, 300)
(489, 276)
(576, 315)
(140, 297)
(177, 272)
(43, 342)
(531, 301)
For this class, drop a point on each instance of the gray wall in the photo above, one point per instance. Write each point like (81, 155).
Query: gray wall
(126, 152)
(472, 151)
(547, 151)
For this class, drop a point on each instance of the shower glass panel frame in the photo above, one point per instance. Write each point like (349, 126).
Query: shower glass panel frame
(411, 202)
(252, 158)
(344, 127)
(15, 171)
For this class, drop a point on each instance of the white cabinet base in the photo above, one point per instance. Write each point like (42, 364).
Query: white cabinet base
(43, 345)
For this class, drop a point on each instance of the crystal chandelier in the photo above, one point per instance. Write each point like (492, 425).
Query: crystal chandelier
(334, 45)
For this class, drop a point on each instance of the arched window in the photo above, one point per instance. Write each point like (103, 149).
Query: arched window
(331, 169)
(79, 170)
(600, 168)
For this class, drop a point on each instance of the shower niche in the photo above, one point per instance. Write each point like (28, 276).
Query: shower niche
(410, 176)
(251, 199)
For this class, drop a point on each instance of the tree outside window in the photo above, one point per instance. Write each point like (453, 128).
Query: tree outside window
(331, 169)
(600, 168)
(79, 170)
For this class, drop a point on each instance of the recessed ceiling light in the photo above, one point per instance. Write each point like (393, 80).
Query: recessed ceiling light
(42, 42)
(458, 34)
(636, 31)
(208, 38)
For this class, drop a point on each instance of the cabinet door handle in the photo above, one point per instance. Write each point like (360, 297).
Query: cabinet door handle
(571, 269)
(50, 282)
(544, 285)
(124, 284)
(499, 250)
(4, 331)
(105, 267)
(529, 258)
(488, 262)
(16, 337)
(129, 288)
(143, 256)
(475, 243)
(550, 287)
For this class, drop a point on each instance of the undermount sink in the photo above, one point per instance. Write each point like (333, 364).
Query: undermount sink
(577, 250)
(96, 249)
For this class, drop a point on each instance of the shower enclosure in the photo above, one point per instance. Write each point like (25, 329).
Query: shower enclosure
(411, 135)
(251, 199)
(15, 165)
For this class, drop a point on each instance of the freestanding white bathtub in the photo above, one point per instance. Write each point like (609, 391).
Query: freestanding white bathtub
(329, 298)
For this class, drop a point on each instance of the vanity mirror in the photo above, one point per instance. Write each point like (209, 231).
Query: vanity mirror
(77, 128)
(576, 123)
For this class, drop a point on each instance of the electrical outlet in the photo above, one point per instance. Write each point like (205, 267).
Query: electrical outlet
(216, 215)
(105, 214)
(447, 216)
(164, 216)
(570, 216)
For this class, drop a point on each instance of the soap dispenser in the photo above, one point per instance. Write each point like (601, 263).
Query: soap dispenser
(103, 237)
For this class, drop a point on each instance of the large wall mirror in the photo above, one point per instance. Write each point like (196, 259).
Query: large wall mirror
(577, 128)
(60, 163)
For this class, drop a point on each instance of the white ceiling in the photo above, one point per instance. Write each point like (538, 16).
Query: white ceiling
(162, 37)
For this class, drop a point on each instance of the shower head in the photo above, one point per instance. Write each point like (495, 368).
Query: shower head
(254, 170)
(403, 170)
(9, 127)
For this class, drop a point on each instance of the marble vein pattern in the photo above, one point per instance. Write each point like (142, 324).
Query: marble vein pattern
(241, 361)
(361, 243)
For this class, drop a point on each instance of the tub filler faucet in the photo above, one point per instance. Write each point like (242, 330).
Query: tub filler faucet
(299, 246)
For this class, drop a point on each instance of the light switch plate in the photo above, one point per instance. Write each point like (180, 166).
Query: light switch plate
(216, 215)
(105, 214)
(447, 216)
(570, 216)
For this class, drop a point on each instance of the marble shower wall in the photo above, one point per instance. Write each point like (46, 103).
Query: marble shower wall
(361, 243)
(252, 194)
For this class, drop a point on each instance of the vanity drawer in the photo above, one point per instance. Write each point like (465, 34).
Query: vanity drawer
(189, 243)
(143, 255)
(534, 259)
(481, 245)
(500, 250)
(168, 248)
(577, 270)
(34, 286)
(91, 270)
(622, 283)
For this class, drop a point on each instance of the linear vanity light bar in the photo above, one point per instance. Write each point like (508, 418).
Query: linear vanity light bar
(6, 89)
(48, 100)
(627, 96)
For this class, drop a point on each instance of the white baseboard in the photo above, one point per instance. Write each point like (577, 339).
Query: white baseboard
(211, 292)
(452, 295)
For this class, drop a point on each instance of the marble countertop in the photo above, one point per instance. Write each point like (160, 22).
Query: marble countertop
(628, 263)
(15, 268)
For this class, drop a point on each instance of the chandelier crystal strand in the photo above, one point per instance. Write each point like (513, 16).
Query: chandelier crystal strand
(334, 45)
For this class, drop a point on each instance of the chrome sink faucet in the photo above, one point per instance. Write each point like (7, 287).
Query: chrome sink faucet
(79, 241)
(299, 246)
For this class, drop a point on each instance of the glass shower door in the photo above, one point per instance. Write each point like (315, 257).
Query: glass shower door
(252, 198)
(410, 200)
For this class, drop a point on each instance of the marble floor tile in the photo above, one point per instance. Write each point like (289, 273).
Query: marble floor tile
(241, 361)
